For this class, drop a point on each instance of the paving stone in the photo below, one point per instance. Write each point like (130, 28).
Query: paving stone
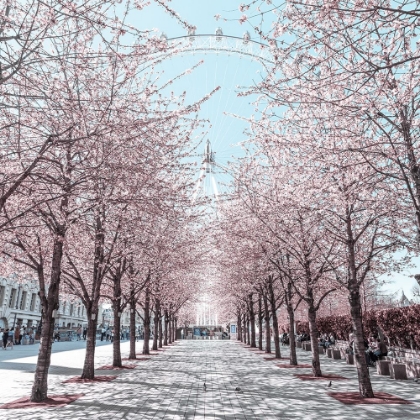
(170, 386)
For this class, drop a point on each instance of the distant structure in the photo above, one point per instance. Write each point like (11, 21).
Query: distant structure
(404, 301)
(209, 160)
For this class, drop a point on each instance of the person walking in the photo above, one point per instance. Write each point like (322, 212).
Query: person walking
(5, 337)
(103, 331)
(10, 338)
(84, 333)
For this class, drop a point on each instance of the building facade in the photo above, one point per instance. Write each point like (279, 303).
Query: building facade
(20, 305)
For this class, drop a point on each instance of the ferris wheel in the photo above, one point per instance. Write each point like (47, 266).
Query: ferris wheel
(231, 62)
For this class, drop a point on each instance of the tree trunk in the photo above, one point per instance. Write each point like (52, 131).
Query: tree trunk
(116, 359)
(146, 326)
(239, 326)
(365, 385)
(292, 341)
(252, 321)
(166, 319)
(244, 328)
(49, 304)
(132, 354)
(89, 364)
(170, 329)
(313, 332)
(40, 386)
(160, 331)
(173, 329)
(248, 335)
(260, 322)
(267, 325)
(155, 329)
(275, 321)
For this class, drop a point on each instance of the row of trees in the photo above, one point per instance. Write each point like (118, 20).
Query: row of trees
(96, 176)
(327, 199)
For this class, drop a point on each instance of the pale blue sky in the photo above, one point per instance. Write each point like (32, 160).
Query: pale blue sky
(227, 71)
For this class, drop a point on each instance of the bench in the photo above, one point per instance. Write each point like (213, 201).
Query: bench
(383, 367)
(408, 357)
(306, 345)
(397, 371)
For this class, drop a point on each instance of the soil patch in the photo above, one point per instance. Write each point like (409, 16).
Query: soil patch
(110, 367)
(352, 398)
(52, 401)
(325, 377)
(303, 365)
(79, 380)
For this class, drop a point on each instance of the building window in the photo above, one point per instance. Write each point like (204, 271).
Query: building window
(33, 302)
(12, 298)
(71, 309)
(22, 304)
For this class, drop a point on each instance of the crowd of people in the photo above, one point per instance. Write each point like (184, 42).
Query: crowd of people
(375, 348)
(14, 336)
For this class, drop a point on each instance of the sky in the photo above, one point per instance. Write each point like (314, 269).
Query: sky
(231, 72)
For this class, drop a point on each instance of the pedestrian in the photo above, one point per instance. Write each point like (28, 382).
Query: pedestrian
(103, 331)
(5, 337)
(17, 333)
(112, 336)
(10, 338)
(84, 333)
(79, 333)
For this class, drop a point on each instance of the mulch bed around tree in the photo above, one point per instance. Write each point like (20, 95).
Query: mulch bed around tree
(137, 359)
(324, 377)
(275, 358)
(79, 380)
(110, 367)
(352, 398)
(303, 365)
(51, 401)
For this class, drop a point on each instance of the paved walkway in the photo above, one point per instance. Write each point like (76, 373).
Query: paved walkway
(170, 386)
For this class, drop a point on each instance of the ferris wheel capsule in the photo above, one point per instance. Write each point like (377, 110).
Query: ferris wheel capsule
(191, 33)
(219, 34)
(273, 44)
(246, 37)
